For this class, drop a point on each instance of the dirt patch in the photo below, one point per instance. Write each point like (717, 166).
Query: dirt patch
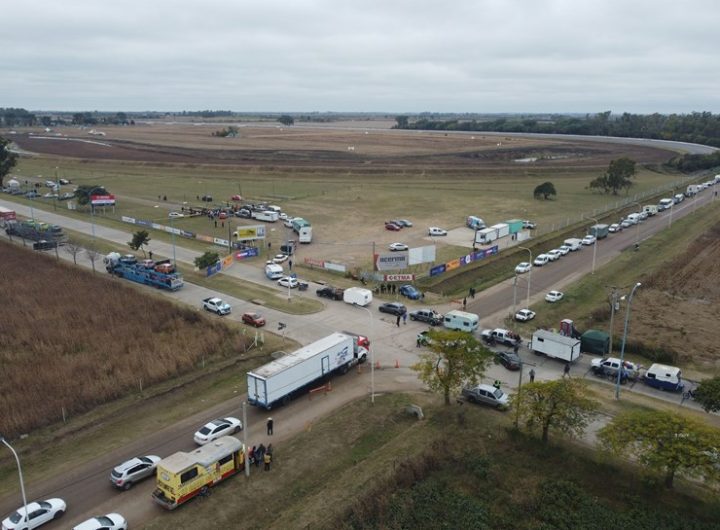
(679, 307)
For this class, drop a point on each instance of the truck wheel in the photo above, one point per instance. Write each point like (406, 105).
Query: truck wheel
(127, 485)
(344, 369)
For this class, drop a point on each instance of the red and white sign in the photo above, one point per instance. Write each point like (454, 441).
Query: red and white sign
(314, 262)
(102, 200)
(399, 277)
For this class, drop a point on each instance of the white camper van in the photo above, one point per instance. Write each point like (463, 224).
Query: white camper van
(274, 271)
(357, 296)
(461, 320)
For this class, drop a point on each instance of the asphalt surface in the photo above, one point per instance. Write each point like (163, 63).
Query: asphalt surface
(87, 489)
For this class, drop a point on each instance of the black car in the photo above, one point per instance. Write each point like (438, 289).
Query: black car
(509, 360)
(206, 198)
(44, 245)
(430, 316)
(332, 293)
(394, 308)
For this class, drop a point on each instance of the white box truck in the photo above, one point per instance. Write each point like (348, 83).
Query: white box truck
(692, 189)
(555, 346)
(503, 229)
(282, 379)
(461, 320)
(357, 296)
(475, 222)
(305, 234)
(485, 236)
(573, 243)
(265, 215)
(274, 271)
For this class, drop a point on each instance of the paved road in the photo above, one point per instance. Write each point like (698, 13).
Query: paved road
(87, 489)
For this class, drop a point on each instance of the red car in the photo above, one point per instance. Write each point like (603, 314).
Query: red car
(392, 226)
(254, 319)
(236, 198)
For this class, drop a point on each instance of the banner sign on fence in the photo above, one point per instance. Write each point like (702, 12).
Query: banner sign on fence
(464, 260)
(214, 269)
(314, 262)
(399, 278)
(248, 233)
(391, 262)
(102, 200)
(227, 261)
(337, 267)
(247, 253)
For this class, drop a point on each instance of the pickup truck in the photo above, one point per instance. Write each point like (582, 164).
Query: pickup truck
(333, 293)
(609, 366)
(500, 336)
(216, 305)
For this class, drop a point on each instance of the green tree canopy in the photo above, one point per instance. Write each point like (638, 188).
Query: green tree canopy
(286, 119)
(544, 190)
(563, 405)
(618, 176)
(140, 239)
(207, 259)
(8, 159)
(708, 394)
(82, 193)
(456, 358)
(401, 122)
(664, 441)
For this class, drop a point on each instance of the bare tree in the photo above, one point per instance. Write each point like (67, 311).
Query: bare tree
(92, 255)
(73, 248)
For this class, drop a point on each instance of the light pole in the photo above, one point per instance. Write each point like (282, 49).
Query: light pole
(622, 347)
(371, 351)
(614, 300)
(529, 274)
(92, 209)
(22, 484)
(172, 231)
(594, 246)
(514, 299)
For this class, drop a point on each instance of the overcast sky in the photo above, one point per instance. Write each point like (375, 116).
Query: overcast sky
(363, 55)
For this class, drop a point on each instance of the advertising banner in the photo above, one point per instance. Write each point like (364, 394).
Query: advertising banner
(314, 262)
(247, 253)
(391, 262)
(337, 267)
(227, 261)
(399, 278)
(437, 269)
(249, 233)
(102, 200)
(214, 269)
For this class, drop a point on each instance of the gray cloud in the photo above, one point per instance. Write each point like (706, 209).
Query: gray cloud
(395, 56)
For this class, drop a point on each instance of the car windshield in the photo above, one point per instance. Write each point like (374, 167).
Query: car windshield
(105, 521)
(205, 430)
(16, 517)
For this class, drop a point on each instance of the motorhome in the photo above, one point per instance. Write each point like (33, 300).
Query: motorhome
(461, 320)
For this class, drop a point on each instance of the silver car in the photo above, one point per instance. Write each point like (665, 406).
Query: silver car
(486, 395)
(134, 470)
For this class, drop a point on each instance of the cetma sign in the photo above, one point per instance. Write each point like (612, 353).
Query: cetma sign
(391, 262)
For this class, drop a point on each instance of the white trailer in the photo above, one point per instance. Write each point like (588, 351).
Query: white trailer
(265, 215)
(282, 379)
(357, 296)
(555, 346)
(502, 229)
(485, 236)
(305, 234)
(461, 320)
(692, 189)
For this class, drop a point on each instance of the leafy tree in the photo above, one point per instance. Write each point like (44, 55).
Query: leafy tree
(402, 122)
(617, 177)
(563, 405)
(286, 119)
(545, 190)
(708, 394)
(8, 159)
(82, 193)
(139, 240)
(456, 358)
(207, 259)
(664, 441)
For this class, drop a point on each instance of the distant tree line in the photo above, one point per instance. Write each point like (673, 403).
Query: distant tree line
(698, 127)
(689, 163)
(17, 117)
(231, 131)
(207, 113)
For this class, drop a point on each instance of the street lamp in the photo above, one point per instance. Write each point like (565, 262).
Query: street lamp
(594, 246)
(371, 351)
(22, 484)
(622, 347)
(529, 274)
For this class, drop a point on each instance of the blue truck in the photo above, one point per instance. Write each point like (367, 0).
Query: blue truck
(160, 274)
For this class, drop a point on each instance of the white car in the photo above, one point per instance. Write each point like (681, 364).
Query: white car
(589, 240)
(564, 249)
(111, 521)
(541, 260)
(626, 223)
(280, 258)
(524, 315)
(397, 246)
(554, 296)
(175, 215)
(283, 216)
(435, 231)
(615, 227)
(216, 429)
(555, 254)
(39, 513)
(405, 222)
(288, 281)
(523, 267)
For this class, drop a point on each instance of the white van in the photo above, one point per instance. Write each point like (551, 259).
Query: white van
(573, 243)
(357, 296)
(651, 209)
(274, 208)
(677, 199)
(274, 271)
(460, 320)
(665, 204)
(634, 218)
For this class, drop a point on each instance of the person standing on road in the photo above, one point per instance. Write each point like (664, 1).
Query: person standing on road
(397, 322)
(269, 426)
(566, 370)
(290, 264)
(267, 459)
(464, 303)
(405, 318)
(259, 454)
(532, 375)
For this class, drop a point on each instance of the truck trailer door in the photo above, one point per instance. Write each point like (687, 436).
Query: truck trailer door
(325, 364)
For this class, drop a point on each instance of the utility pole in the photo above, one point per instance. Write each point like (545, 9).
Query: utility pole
(613, 304)
(245, 438)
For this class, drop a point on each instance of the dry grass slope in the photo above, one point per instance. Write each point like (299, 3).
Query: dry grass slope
(73, 340)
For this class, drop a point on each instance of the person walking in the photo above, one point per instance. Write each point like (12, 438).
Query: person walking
(259, 454)
(251, 456)
(464, 303)
(269, 426)
(290, 264)
(566, 370)
(532, 375)
(267, 458)
(405, 318)
(397, 322)
(516, 348)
